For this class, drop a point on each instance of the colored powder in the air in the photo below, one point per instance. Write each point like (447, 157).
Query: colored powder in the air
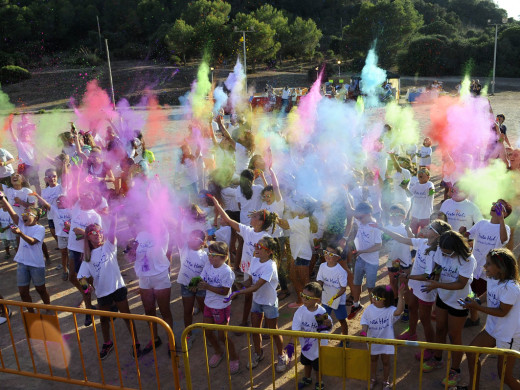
(200, 105)
(49, 126)
(221, 99)
(405, 128)
(129, 122)
(6, 108)
(238, 96)
(154, 129)
(96, 109)
(372, 77)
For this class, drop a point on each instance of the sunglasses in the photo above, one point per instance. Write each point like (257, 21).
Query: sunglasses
(376, 298)
(216, 254)
(432, 228)
(260, 246)
(95, 233)
(396, 214)
(51, 177)
(447, 254)
(306, 297)
(330, 254)
(27, 214)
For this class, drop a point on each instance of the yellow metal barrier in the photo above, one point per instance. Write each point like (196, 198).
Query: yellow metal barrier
(43, 327)
(343, 362)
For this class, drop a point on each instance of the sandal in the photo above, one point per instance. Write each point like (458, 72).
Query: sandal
(149, 347)
(215, 360)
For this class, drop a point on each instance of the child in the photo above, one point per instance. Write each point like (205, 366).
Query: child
(262, 282)
(378, 322)
(459, 210)
(399, 257)
(487, 235)
(217, 279)
(6, 235)
(332, 277)
(19, 194)
(248, 195)
(31, 263)
(401, 179)
(503, 312)
(187, 176)
(422, 193)
(457, 263)
(50, 194)
(368, 243)
(100, 263)
(193, 258)
(305, 320)
(425, 154)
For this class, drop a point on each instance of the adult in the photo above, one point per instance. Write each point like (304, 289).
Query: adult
(6, 167)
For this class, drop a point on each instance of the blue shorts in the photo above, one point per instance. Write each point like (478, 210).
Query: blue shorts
(51, 224)
(270, 312)
(340, 312)
(186, 292)
(361, 269)
(75, 256)
(26, 273)
(302, 262)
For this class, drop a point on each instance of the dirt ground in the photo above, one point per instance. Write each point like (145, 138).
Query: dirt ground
(62, 293)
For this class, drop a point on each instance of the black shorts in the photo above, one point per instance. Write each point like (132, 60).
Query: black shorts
(51, 224)
(117, 296)
(451, 311)
(315, 364)
(234, 215)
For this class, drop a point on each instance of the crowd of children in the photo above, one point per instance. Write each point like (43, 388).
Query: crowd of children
(249, 233)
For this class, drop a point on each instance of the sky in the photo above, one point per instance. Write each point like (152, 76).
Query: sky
(511, 6)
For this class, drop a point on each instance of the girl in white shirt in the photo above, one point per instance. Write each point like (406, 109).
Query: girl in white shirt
(31, 263)
(262, 282)
(503, 313)
(423, 192)
(100, 264)
(458, 264)
(248, 195)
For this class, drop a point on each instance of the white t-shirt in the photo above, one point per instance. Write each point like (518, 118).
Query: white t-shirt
(464, 213)
(187, 173)
(380, 322)
(265, 295)
(487, 237)
(248, 205)
(5, 222)
(508, 292)
(229, 199)
(81, 219)
(366, 237)
(150, 254)
(7, 170)
(103, 267)
(422, 201)
(192, 264)
(398, 250)
(278, 208)
(25, 153)
(300, 238)
(31, 255)
(242, 158)
(51, 194)
(22, 193)
(305, 321)
(60, 216)
(333, 278)
(223, 234)
(425, 151)
(400, 195)
(250, 239)
(422, 265)
(452, 267)
(222, 276)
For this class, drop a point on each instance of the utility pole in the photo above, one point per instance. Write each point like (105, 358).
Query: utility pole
(244, 47)
(504, 21)
(99, 35)
(110, 75)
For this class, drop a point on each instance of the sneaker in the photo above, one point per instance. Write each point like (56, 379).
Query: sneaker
(354, 311)
(304, 382)
(319, 386)
(59, 266)
(65, 276)
(405, 316)
(431, 365)
(407, 336)
(469, 322)
(283, 361)
(149, 347)
(88, 320)
(255, 359)
(453, 379)
(106, 349)
(137, 350)
(234, 367)
(294, 305)
(427, 355)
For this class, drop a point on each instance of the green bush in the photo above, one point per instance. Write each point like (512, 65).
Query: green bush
(130, 51)
(12, 74)
(175, 60)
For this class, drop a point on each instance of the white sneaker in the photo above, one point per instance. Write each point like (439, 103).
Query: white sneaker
(3, 320)
(255, 359)
(283, 361)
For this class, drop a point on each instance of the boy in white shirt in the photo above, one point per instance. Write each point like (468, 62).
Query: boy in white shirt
(459, 210)
(368, 243)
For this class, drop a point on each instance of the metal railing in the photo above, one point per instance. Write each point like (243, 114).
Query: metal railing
(343, 362)
(52, 360)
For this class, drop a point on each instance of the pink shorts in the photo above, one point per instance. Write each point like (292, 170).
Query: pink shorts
(220, 316)
(421, 302)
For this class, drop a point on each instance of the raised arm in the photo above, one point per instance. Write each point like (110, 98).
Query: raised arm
(9, 208)
(234, 224)
(224, 131)
(42, 201)
(396, 236)
(276, 187)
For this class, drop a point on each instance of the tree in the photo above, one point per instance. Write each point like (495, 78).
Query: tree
(277, 20)
(260, 45)
(179, 39)
(304, 38)
(392, 23)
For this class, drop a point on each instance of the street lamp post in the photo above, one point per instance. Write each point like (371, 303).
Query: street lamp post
(504, 21)
(339, 68)
(212, 69)
(244, 47)
(317, 72)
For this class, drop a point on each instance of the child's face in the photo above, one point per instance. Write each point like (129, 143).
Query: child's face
(331, 257)
(256, 221)
(429, 232)
(309, 299)
(95, 237)
(261, 250)
(427, 142)
(268, 197)
(86, 201)
(51, 178)
(216, 259)
(492, 271)
(457, 194)
(29, 217)
(195, 242)
(62, 202)
(16, 179)
(423, 177)
(363, 218)
(396, 217)
(378, 302)
(498, 206)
